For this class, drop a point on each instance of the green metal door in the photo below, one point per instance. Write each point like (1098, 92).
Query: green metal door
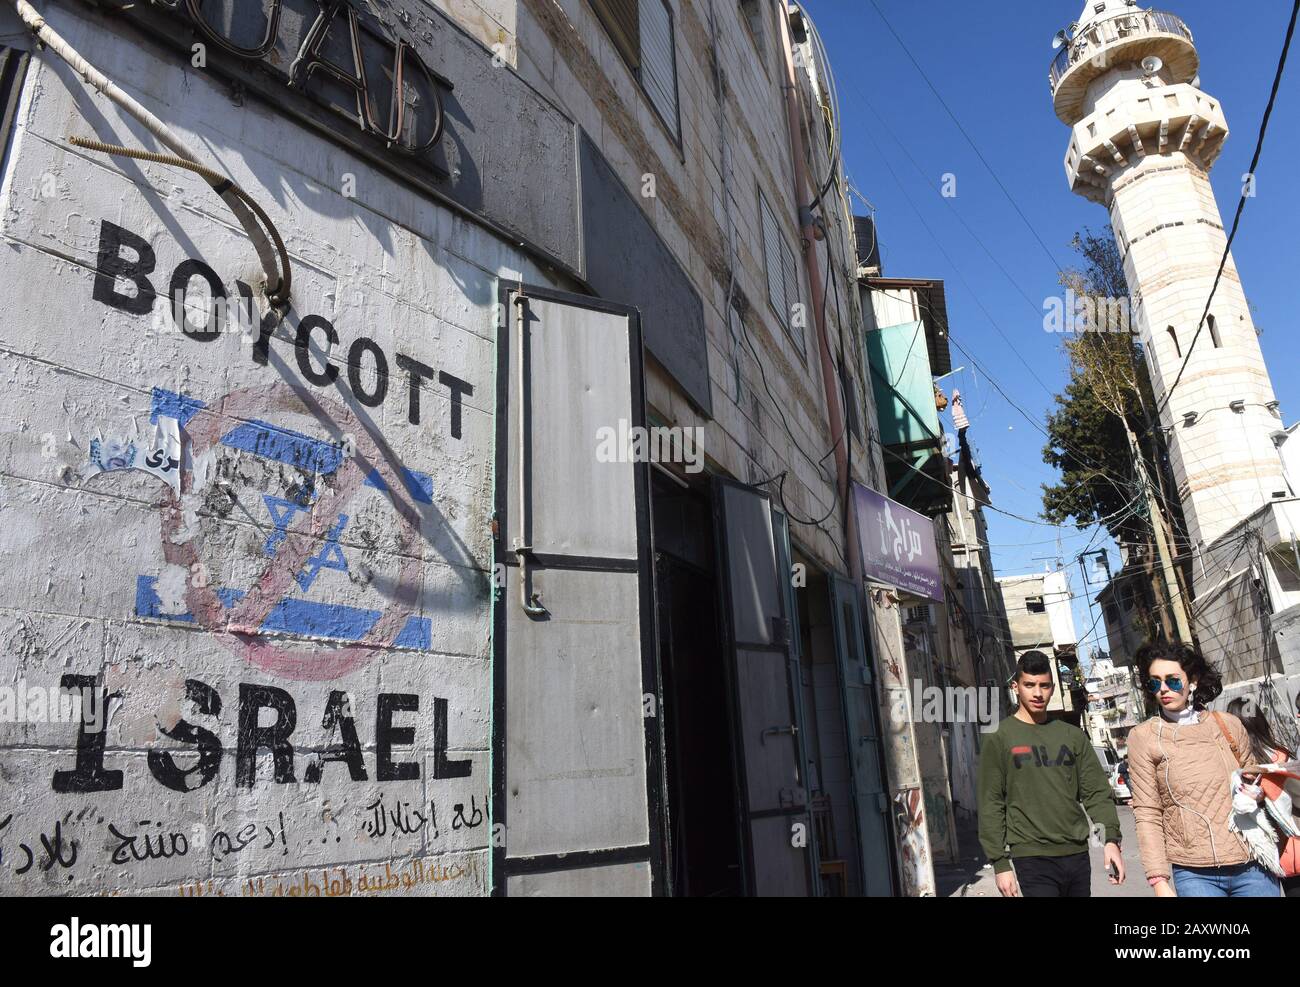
(861, 721)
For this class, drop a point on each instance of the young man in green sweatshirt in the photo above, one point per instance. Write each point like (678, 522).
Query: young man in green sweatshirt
(1036, 778)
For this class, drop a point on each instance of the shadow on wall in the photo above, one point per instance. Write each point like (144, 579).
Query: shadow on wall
(415, 513)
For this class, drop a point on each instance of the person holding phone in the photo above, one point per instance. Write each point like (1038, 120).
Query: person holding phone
(1265, 748)
(1181, 762)
(1036, 778)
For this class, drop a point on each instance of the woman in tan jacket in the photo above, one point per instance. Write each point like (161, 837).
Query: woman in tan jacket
(1180, 772)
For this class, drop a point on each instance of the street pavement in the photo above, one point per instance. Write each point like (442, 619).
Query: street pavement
(971, 876)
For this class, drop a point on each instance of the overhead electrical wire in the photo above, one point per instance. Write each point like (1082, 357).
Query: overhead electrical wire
(975, 500)
(969, 140)
(950, 200)
(1156, 606)
(822, 63)
(1119, 483)
(906, 151)
(834, 143)
(1241, 204)
(953, 339)
(1155, 488)
(1124, 485)
(744, 334)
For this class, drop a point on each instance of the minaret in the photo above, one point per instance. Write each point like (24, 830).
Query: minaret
(1145, 137)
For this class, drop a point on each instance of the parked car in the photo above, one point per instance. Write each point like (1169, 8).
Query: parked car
(1116, 773)
(1119, 783)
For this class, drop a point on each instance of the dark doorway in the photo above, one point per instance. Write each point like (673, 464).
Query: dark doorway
(826, 741)
(704, 842)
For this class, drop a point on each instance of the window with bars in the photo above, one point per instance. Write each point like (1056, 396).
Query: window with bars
(918, 615)
(782, 275)
(643, 33)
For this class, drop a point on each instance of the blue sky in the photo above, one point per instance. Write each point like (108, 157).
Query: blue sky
(989, 61)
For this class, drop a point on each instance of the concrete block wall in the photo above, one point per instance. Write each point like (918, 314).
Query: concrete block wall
(344, 749)
(491, 22)
(1231, 631)
(1028, 630)
(566, 53)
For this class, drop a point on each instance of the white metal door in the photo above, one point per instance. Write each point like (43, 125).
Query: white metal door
(576, 698)
(773, 804)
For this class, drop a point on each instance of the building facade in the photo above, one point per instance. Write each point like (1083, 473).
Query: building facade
(1041, 620)
(1130, 610)
(957, 649)
(1144, 138)
(263, 529)
(1115, 706)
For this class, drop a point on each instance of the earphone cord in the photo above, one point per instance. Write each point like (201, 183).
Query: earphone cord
(1160, 738)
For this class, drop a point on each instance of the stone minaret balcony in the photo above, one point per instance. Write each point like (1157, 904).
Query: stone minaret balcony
(1144, 136)
(1118, 33)
(1157, 109)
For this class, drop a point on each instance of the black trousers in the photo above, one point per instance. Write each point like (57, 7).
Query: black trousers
(1055, 877)
(1291, 887)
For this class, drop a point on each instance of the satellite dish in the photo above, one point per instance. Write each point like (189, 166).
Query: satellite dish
(1060, 39)
(1151, 65)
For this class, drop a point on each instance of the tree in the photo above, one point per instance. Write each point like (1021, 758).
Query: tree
(1088, 446)
(1103, 436)
(1103, 401)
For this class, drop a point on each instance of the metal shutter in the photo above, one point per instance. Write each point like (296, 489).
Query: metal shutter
(793, 296)
(782, 273)
(774, 251)
(622, 21)
(918, 615)
(658, 62)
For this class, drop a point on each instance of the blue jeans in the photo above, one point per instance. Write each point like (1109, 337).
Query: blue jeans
(1239, 881)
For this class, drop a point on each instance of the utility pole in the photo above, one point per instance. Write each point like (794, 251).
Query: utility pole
(1173, 589)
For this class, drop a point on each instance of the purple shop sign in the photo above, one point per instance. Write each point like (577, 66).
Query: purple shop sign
(897, 545)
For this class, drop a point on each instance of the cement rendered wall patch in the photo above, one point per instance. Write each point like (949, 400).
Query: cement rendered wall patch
(291, 656)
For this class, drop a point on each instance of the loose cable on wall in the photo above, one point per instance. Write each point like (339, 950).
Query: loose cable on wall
(273, 256)
(223, 186)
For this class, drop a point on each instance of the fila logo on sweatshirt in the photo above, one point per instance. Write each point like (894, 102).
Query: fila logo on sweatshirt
(1025, 754)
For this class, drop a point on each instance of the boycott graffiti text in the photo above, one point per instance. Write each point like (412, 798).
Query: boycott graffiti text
(116, 268)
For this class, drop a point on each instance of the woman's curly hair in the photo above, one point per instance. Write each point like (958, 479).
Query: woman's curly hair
(1209, 683)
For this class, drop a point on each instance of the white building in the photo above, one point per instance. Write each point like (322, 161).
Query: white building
(1115, 705)
(1040, 617)
(1144, 136)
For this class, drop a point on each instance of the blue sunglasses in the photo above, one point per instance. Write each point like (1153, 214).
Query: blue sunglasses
(1175, 683)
